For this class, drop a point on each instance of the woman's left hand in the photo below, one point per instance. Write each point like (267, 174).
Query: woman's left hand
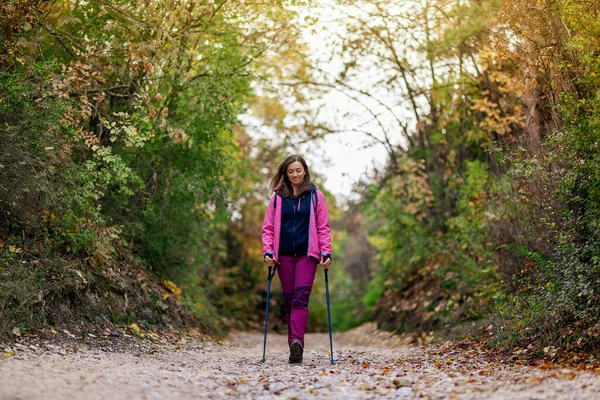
(325, 261)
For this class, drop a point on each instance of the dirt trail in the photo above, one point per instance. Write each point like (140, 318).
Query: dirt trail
(369, 365)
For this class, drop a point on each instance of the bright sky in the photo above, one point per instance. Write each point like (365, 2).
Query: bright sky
(348, 160)
(348, 155)
(344, 157)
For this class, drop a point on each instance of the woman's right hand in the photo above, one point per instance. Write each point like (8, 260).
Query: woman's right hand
(269, 260)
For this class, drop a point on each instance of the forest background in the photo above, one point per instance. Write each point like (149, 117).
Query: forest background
(137, 140)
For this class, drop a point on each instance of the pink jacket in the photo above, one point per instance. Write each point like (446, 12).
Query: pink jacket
(319, 240)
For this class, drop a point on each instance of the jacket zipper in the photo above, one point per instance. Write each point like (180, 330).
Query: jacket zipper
(310, 206)
(294, 224)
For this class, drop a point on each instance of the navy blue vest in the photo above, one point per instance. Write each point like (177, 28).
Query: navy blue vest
(295, 219)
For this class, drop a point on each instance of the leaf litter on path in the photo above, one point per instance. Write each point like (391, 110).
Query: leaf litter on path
(369, 365)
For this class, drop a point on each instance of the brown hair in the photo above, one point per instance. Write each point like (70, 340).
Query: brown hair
(282, 182)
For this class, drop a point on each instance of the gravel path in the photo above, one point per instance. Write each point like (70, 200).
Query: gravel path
(370, 365)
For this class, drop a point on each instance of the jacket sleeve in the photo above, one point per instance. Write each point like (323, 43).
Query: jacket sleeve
(268, 228)
(323, 229)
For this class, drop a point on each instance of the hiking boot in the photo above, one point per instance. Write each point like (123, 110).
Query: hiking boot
(296, 351)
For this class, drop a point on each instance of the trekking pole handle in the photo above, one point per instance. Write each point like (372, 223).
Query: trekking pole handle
(272, 268)
(325, 257)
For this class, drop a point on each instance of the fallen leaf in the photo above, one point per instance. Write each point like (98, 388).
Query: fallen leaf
(14, 249)
(533, 380)
(173, 288)
(546, 366)
(135, 328)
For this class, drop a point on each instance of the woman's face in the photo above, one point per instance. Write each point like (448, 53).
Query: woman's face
(295, 172)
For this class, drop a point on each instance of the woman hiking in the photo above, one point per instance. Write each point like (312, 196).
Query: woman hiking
(296, 236)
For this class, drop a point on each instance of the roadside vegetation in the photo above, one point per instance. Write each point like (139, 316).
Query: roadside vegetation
(137, 138)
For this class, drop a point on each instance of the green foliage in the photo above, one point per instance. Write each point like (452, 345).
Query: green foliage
(374, 290)
(44, 189)
(433, 212)
(119, 147)
(558, 291)
(347, 311)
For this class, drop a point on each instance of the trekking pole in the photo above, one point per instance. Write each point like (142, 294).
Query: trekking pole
(328, 313)
(269, 278)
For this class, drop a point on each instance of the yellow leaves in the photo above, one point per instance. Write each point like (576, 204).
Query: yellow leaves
(15, 249)
(270, 110)
(411, 188)
(48, 217)
(592, 73)
(484, 105)
(173, 288)
(135, 329)
(80, 274)
(546, 366)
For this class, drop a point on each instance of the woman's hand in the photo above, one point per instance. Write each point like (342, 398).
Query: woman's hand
(269, 259)
(325, 260)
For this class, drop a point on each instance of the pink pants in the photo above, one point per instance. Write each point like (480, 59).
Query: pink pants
(296, 275)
